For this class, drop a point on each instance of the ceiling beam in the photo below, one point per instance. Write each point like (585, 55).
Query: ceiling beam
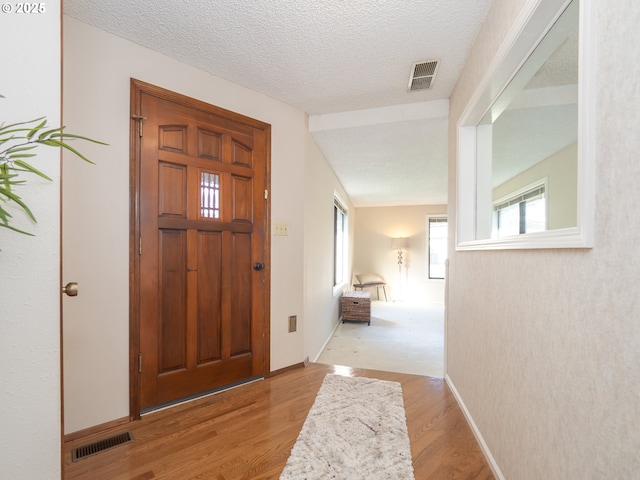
(377, 116)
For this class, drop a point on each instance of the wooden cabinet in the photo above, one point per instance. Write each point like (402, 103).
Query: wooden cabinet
(356, 307)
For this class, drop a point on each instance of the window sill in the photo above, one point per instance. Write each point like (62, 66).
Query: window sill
(338, 289)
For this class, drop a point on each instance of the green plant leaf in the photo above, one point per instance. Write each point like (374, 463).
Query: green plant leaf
(4, 215)
(15, 198)
(19, 148)
(32, 169)
(6, 225)
(3, 128)
(57, 143)
(6, 176)
(18, 140)
(4, 222)
(49, 133)
(15, 130)
(40, 126)
(12, 157)
(78, 137)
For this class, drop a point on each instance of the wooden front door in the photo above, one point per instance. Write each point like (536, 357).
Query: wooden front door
(200, 246)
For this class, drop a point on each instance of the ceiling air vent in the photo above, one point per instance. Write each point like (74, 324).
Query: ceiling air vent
(423, 75)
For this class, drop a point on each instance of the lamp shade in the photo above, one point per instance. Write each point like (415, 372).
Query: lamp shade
(399, 243)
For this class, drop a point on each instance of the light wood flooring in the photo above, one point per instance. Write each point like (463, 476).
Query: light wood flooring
(248, 432)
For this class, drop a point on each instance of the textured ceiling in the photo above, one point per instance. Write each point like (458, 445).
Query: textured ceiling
(329, 56)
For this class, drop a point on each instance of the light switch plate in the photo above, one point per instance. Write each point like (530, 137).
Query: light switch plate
(281, 229)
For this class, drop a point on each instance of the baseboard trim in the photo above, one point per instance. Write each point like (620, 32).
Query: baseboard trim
(315, 360)
(476, 431)
(295, 366)
(103, 427)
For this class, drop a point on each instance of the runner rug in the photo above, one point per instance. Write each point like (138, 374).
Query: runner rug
(356, 429)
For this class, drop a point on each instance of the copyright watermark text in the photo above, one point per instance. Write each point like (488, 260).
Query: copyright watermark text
(25, 8)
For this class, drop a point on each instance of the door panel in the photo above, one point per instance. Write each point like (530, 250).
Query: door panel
(240, 306)
(242, 199)
(209, 296)
(202, 221)
(173, 296)
(173, 186)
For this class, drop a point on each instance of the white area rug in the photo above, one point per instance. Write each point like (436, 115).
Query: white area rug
(356, 429)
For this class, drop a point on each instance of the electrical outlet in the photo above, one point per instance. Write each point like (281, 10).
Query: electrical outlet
(281, 229)
(293, 323)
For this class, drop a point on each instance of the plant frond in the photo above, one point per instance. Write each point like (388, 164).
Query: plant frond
(38, 127)
(15, 198)
(18, 140)
(22, 148)
(77, 137)
(32, 169)
(12, 156)
(57, 143)
(6, 225)
(49, 133)
(4, 128)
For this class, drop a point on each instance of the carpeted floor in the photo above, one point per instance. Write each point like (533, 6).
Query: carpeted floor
(402, 337)
(355, 430)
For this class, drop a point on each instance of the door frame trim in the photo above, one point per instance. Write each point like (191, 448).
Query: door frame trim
(137, 88)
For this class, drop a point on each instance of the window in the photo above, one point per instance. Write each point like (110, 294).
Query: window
(437, 246)
(209, 195)
(522, 213)
(340, 235)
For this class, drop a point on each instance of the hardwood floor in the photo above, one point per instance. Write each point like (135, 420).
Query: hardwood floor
(248, 432)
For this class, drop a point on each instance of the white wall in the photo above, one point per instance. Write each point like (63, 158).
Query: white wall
(29, 279)
(544, 346)
(375, 227)
(321, 305)
(97, 71)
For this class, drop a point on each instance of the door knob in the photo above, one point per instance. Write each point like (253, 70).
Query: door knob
(258, 266)
(71, 289)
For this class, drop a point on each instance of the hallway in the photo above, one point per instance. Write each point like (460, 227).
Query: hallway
(248, 432)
